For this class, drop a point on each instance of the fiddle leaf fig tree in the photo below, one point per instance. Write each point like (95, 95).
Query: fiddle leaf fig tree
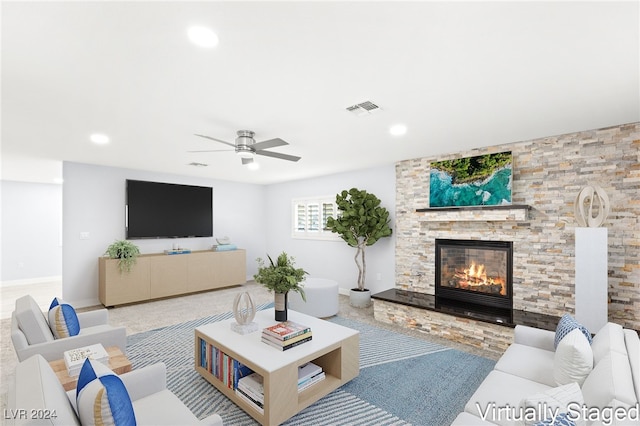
(361, 222)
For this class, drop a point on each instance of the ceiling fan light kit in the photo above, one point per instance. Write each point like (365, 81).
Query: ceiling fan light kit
(246, 147)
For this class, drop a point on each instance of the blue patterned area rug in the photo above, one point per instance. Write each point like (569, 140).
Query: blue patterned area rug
(403, 380)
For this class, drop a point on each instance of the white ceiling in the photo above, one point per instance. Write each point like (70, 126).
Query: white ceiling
(459, 75)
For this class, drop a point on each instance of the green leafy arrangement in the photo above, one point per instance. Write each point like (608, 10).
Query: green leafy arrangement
(361, 222)
(281, 276)
(126, 251)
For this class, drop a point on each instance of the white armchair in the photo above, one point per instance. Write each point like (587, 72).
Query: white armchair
(37, 390)
(31, 334)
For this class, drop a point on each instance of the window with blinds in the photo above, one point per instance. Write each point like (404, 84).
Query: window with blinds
(310, 217)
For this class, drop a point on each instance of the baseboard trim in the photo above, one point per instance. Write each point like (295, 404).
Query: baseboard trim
(29, 281)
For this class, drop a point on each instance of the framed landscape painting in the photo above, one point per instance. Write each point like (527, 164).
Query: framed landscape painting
(484, 180)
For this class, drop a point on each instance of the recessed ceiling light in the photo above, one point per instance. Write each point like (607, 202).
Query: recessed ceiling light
(99, 138)
(398, 129)
(202, 36)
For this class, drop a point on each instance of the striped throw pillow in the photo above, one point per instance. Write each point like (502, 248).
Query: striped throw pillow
(102, 398)
(63, 320)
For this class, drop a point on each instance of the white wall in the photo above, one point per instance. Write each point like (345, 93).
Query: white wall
(256, 218)
(31, 231)
(93, 203)
(333, 259)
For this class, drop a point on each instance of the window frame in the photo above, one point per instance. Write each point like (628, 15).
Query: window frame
(310, 232)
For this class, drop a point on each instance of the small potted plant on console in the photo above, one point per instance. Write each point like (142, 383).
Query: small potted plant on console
(126, 252)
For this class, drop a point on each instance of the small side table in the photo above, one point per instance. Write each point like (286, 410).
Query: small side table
(118, 362)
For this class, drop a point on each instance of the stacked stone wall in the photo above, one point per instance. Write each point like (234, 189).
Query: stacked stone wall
(548, 173)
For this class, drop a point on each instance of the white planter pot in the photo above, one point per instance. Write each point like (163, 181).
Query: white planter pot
(360, 299)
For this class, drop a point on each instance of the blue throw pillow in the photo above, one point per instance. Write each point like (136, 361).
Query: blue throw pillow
(102, 398)
(63, 320)
(566, 325)
(562, 419)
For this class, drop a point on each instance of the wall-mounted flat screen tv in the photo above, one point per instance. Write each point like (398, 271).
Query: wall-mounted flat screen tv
(484, 180)
(167, 210)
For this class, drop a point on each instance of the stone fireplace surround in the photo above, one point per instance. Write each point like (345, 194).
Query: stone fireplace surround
(547, 175)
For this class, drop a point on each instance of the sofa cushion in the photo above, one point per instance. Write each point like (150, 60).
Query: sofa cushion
(610, 379)
(573, 360)
(528, 362)
(101, 397)
(633, 349)
(554, 400)
(609, 338)
(497, 391)
(63, 319)
(31, 321)
(566, 325)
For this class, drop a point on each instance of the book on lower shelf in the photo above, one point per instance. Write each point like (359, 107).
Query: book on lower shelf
(225, 368)
(251, 389)
(311, 381)
(308, 375)
(74, 358)
(251, 401)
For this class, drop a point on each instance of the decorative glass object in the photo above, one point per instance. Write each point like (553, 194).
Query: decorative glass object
(244, 311)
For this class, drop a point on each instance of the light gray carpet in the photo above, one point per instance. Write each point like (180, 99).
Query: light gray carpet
(434, 381)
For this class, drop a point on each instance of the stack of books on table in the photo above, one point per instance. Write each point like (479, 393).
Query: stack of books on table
(286, 335)
(74, 358)
(250, 389)
(309, 374)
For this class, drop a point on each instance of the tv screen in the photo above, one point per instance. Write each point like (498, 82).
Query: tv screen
(166, 210)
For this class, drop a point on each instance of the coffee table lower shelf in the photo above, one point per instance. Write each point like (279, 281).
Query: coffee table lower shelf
(334, 348)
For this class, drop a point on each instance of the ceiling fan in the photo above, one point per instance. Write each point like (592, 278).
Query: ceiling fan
(246, 147)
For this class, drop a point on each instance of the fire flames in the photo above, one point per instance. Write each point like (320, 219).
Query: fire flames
(475, 278)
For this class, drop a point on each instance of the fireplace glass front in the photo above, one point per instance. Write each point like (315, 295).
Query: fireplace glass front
(474, 272)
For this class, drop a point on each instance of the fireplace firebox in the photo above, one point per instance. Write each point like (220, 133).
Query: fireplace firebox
(474, 273)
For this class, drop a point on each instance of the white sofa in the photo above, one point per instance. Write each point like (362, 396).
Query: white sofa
(38, 398)
(526, 371)
(30, 332)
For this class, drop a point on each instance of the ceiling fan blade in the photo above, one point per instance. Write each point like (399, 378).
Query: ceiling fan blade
(214, 150)
(246, 161)
(271, 143)
(217, 140)
(278, 155)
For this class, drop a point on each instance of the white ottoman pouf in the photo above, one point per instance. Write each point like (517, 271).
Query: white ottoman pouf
(322, 298)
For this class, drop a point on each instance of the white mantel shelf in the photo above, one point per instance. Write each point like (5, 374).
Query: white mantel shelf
(513, 212)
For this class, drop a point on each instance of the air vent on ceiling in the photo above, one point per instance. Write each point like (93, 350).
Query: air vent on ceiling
(194, 164)
(363, 108)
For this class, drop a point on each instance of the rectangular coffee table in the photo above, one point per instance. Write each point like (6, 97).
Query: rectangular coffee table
(333, 347)
(118, 362)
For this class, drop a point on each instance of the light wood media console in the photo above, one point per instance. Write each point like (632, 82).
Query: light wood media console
(160, 275)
